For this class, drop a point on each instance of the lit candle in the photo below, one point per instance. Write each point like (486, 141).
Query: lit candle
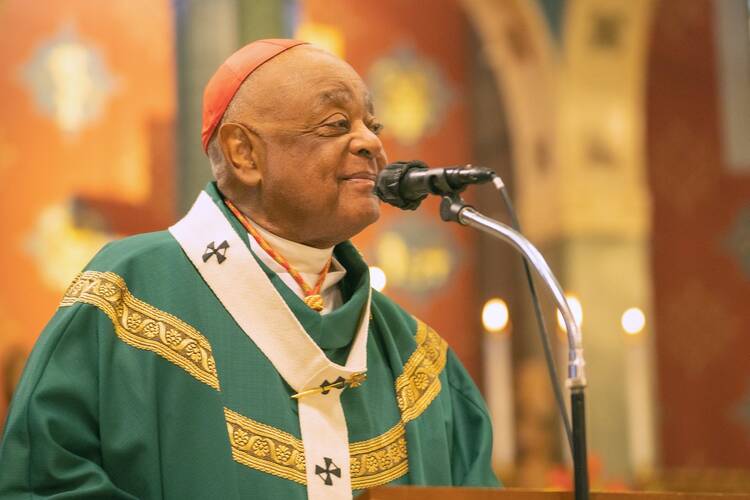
(498, 376)
(638, 389)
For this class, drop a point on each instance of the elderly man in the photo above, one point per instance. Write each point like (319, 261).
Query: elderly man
(242, 353)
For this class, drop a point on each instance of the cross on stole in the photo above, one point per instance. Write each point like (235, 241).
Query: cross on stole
(220, 252)
(331, 469)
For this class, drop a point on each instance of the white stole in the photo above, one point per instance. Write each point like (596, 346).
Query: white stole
(243, 288)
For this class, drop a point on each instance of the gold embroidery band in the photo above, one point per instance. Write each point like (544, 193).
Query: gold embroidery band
(265, 448)
(419, 384)
(143, 326)
(373, 462)
(379, 460)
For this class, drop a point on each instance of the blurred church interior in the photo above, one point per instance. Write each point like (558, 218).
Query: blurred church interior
(622, 128)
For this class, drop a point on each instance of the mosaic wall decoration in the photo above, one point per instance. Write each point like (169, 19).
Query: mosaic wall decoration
(411, 93)
(86, 146)
(60, 246)
(416, 255)
(69, 80)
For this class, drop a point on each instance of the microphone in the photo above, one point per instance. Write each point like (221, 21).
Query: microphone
(404, 184)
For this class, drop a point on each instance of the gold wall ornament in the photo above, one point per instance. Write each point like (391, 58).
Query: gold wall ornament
(143, 326)
(59, 246)
(416, 254)
(411, 92)
(69, 81)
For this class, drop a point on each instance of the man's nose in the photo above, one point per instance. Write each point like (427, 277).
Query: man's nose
(367, 144)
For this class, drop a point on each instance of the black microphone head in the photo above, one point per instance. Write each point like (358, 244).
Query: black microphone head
(388, 184)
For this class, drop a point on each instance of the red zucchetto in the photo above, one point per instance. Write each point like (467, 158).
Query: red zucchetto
(227, 80)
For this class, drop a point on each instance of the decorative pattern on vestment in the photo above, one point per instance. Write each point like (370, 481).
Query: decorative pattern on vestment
(419, 384)
(144, 326)
(373, 462)
(265, 448)
(379, 460)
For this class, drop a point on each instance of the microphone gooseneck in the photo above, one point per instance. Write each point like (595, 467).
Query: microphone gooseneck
(404, 184)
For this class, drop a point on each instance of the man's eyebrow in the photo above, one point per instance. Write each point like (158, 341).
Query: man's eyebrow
(338, 96)
(341, 96)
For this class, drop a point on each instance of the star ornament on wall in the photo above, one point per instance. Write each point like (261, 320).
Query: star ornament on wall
(68, 80)
(411, 94)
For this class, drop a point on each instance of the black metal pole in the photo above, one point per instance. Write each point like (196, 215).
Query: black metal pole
(580, 459)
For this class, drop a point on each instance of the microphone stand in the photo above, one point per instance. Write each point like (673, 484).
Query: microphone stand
(453, 209)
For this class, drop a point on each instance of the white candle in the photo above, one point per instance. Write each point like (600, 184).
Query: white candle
(498, 379)
(638, 392)
(498, 376)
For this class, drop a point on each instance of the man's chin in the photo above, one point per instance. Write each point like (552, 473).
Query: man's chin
(359, 221)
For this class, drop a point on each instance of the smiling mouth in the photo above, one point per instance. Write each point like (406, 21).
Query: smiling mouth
(360, 176)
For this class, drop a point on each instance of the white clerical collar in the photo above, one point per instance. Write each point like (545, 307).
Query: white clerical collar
(305, 259)
(309, 261)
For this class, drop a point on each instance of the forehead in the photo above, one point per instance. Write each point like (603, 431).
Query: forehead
(314, 79)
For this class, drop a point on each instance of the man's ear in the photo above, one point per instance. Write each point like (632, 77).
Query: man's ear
(241, 148)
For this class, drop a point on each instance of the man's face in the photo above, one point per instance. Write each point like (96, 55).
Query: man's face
(322, 150)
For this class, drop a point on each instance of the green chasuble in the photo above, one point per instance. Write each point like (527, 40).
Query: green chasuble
(143, 385)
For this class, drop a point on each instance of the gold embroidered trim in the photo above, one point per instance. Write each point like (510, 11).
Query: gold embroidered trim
(373, 462)
(265, 448)
(419, 384)
(379, 460)
(259, 446)
(143, 326)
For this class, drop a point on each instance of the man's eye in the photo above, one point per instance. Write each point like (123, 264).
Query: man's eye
(376, 128)
(340, 124)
